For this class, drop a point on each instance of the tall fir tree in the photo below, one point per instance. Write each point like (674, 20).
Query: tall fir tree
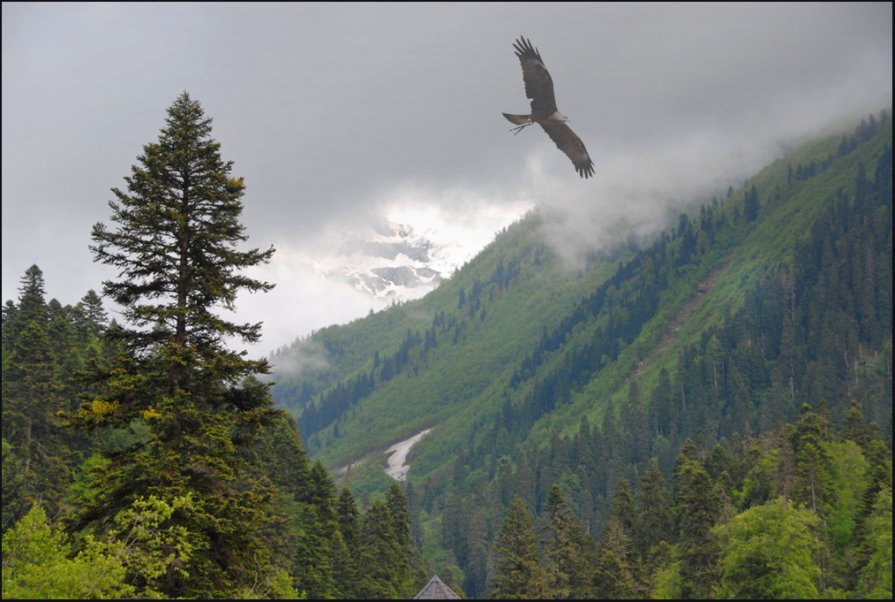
(384, 572)
(31, 398)
(807, 438)
(95, 317)
(696, 509)
(32, 306)
(346, 567)
(568, 550)
(176, 246)
(518, 572)
(654, 522)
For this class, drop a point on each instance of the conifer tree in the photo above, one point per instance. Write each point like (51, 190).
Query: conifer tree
(811, 462)
(653, 523)
(616, 568)
(31, 399)
(517, 574)
(622, 506)
(349, 520)
(612, 577)
(568, 550)
(397, 507)
(176, 245)
(95, 316)
(696, 508)
(346, 566)
(319, 540)
(32, 306)
(384, 572)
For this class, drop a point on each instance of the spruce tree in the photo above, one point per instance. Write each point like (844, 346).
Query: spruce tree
(95, 317)
(176, 246)
(696, 509)
(653, 523)
(812, 463)
(31, 397)
(517, 574)
(32, 304)
(347, 569)
(384, 572)
(568, 550)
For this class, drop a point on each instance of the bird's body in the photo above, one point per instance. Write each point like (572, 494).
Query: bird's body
(539, 88)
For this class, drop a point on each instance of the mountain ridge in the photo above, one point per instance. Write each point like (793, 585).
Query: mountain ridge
(518, 259)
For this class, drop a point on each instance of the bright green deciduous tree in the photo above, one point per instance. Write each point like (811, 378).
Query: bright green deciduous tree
(36, 564)
(875, 577)
(768, 552)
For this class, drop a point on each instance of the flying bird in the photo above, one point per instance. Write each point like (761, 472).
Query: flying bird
(539, 88)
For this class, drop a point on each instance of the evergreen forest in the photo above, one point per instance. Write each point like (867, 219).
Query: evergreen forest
(703, 413)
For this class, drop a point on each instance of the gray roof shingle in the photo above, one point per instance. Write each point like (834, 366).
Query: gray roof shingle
(436, 590)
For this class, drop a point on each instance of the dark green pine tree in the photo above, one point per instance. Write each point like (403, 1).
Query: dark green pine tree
(654, 523)
(346, 569)
(612, 577)
(568, 550)
(696, 509)
(383, 573)
(477, 546)
(811, 461)
(397, 508)
(617, 569)
(349, 518)
(409, 570)
(751, 204)
(517, 572)
(31, 398)
(95, 317)
(622, 506)
(32, 306)
(317, 542)
(176, 243)
(855, 428)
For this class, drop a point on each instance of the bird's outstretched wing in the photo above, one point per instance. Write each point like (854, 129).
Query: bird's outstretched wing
(538, 83)
(569, 143)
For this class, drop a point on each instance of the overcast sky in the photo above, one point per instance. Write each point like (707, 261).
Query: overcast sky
(333, 112)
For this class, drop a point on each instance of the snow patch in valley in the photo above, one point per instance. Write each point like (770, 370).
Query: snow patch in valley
(397, 456)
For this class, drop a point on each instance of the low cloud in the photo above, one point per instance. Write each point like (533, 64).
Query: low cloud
(639, 191)
(301, 356)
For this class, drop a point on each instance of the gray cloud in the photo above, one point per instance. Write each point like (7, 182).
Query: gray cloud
(330, 111)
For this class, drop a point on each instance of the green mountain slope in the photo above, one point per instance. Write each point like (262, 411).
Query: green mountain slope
(481, 342)
(530, 374)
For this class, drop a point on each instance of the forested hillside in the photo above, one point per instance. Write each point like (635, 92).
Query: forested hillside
(704, 414)
(747, 320)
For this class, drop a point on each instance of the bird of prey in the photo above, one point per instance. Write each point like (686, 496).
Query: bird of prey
(539, 88)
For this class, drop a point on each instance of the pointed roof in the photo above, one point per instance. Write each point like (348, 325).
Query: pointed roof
(436, 590)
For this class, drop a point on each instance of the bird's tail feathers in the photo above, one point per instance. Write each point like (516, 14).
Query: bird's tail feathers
(518, 119)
